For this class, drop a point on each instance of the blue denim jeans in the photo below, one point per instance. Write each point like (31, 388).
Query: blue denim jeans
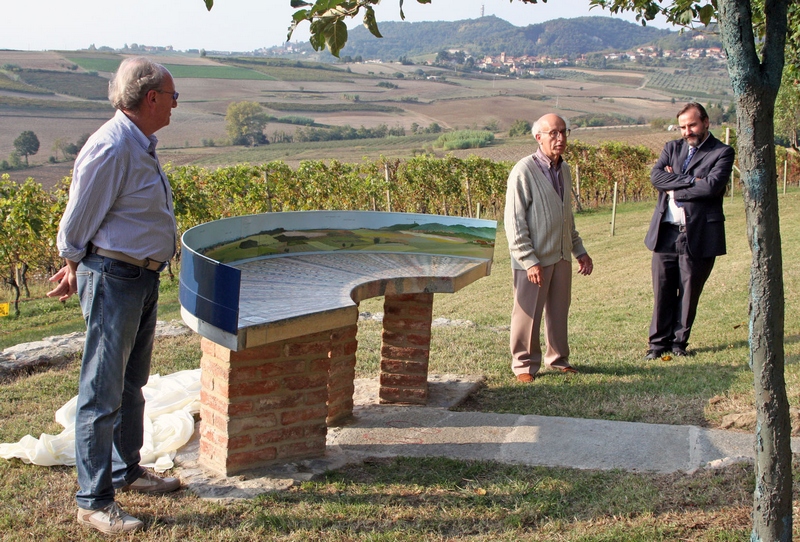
(119, 303)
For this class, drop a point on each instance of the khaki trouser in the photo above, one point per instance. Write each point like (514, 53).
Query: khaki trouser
(551, 298)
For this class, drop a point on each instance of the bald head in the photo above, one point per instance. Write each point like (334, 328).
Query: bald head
(551, 133)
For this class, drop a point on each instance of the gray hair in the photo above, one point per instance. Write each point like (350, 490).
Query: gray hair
(135, 77)
(536, 128)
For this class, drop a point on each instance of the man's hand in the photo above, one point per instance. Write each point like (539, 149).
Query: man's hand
(668, 169)
(535, 275)
(67, 282)
(585, 266)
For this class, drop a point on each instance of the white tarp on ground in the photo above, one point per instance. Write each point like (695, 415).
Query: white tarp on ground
(171, 402)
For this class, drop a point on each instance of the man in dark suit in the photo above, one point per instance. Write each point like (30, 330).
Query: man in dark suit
(687, 231)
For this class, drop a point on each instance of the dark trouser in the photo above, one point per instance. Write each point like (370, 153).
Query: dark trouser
(678, 281)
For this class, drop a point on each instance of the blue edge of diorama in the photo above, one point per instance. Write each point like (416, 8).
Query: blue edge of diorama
(210, 290)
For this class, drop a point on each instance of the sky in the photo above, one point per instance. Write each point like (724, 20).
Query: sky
(232, 25)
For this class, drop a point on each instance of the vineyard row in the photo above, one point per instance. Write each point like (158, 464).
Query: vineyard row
(423, 184)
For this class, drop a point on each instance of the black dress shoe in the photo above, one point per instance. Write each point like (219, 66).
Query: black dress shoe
(653, 354)
(680, 352)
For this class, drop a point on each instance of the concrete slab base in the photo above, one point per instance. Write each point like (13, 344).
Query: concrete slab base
(380, 431)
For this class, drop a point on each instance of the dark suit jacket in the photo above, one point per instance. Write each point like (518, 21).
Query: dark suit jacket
(699, 191)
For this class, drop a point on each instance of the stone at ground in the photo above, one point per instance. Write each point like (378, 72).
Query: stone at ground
(61, 349)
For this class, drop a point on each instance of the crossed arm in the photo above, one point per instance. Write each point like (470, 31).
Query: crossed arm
(688, 187)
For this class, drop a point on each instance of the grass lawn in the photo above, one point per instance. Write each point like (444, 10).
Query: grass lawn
(441, 499)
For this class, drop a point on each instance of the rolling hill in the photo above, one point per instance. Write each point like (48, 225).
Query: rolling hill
(492, 35)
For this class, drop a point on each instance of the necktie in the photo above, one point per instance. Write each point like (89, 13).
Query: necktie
(692, 150)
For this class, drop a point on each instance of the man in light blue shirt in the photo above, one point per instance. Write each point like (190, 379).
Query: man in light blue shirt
(117, 234)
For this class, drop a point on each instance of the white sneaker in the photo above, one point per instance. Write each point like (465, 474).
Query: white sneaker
(109, 520)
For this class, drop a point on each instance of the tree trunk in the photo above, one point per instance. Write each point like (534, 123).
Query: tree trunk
(12, 283)
(22, 278)
(755, 84)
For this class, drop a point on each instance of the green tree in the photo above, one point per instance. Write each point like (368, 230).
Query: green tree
(245, 123)
(59, 145)
(27, 143)
(520, 127)
(28, 224)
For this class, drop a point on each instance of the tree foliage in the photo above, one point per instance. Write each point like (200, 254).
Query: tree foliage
(519, 127)
(245, 123)
(27, 231)
(27, 144)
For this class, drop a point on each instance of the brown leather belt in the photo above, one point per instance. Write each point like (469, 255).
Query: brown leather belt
(147, 263)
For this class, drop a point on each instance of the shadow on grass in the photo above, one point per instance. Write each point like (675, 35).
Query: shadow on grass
(672, 391)
(437, 498)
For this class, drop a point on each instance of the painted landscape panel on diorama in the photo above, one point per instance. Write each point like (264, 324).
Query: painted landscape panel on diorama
(466, 242)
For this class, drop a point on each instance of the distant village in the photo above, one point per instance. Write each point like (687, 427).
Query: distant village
(530, 65)
(524, 65)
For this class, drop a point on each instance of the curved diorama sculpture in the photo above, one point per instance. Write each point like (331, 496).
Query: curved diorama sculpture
(251, 280)
(276, 297)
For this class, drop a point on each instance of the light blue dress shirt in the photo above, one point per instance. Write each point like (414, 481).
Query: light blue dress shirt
(120, 198)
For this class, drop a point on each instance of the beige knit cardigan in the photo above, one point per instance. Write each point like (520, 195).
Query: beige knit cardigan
(539, 225)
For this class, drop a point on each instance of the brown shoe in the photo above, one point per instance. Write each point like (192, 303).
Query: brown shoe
(526, 377)
(111, 519)
(152, 484)
(570, 370)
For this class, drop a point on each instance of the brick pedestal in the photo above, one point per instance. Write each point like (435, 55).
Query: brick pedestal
(273, 403)
(342, 374)
(263, 405)
(405, 348)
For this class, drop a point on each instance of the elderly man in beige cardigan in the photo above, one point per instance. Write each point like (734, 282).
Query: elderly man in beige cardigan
(542, 240)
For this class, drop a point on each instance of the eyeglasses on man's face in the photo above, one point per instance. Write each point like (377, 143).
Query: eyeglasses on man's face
(174, 94)
(554, 133)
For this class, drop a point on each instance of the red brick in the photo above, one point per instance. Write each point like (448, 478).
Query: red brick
(341, 394)
(266, 370)
(405, 396)
(400, 338)
(290, 417)
(414, 298)
(211, 435)
(336, 385)
(339, 414)
(214, 366)
(277, 402)
(215, 420)
(279, 435)
(251, 423)
(208, 346)
(251, 389)
(403, 366)
(343, 364)
(242, 461)
(344, 349)
(315, 431)
(211, 383)
(213, 402)
(405, 353)
(344, 334)
(307, 349)
(299, 450)
(265, 352)
(319, 365)
(403, 381)
(240, 441)
(319, 397)
(309, 382)
(406, 324)
(416, 312)
(245, 407)
(212, 455)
